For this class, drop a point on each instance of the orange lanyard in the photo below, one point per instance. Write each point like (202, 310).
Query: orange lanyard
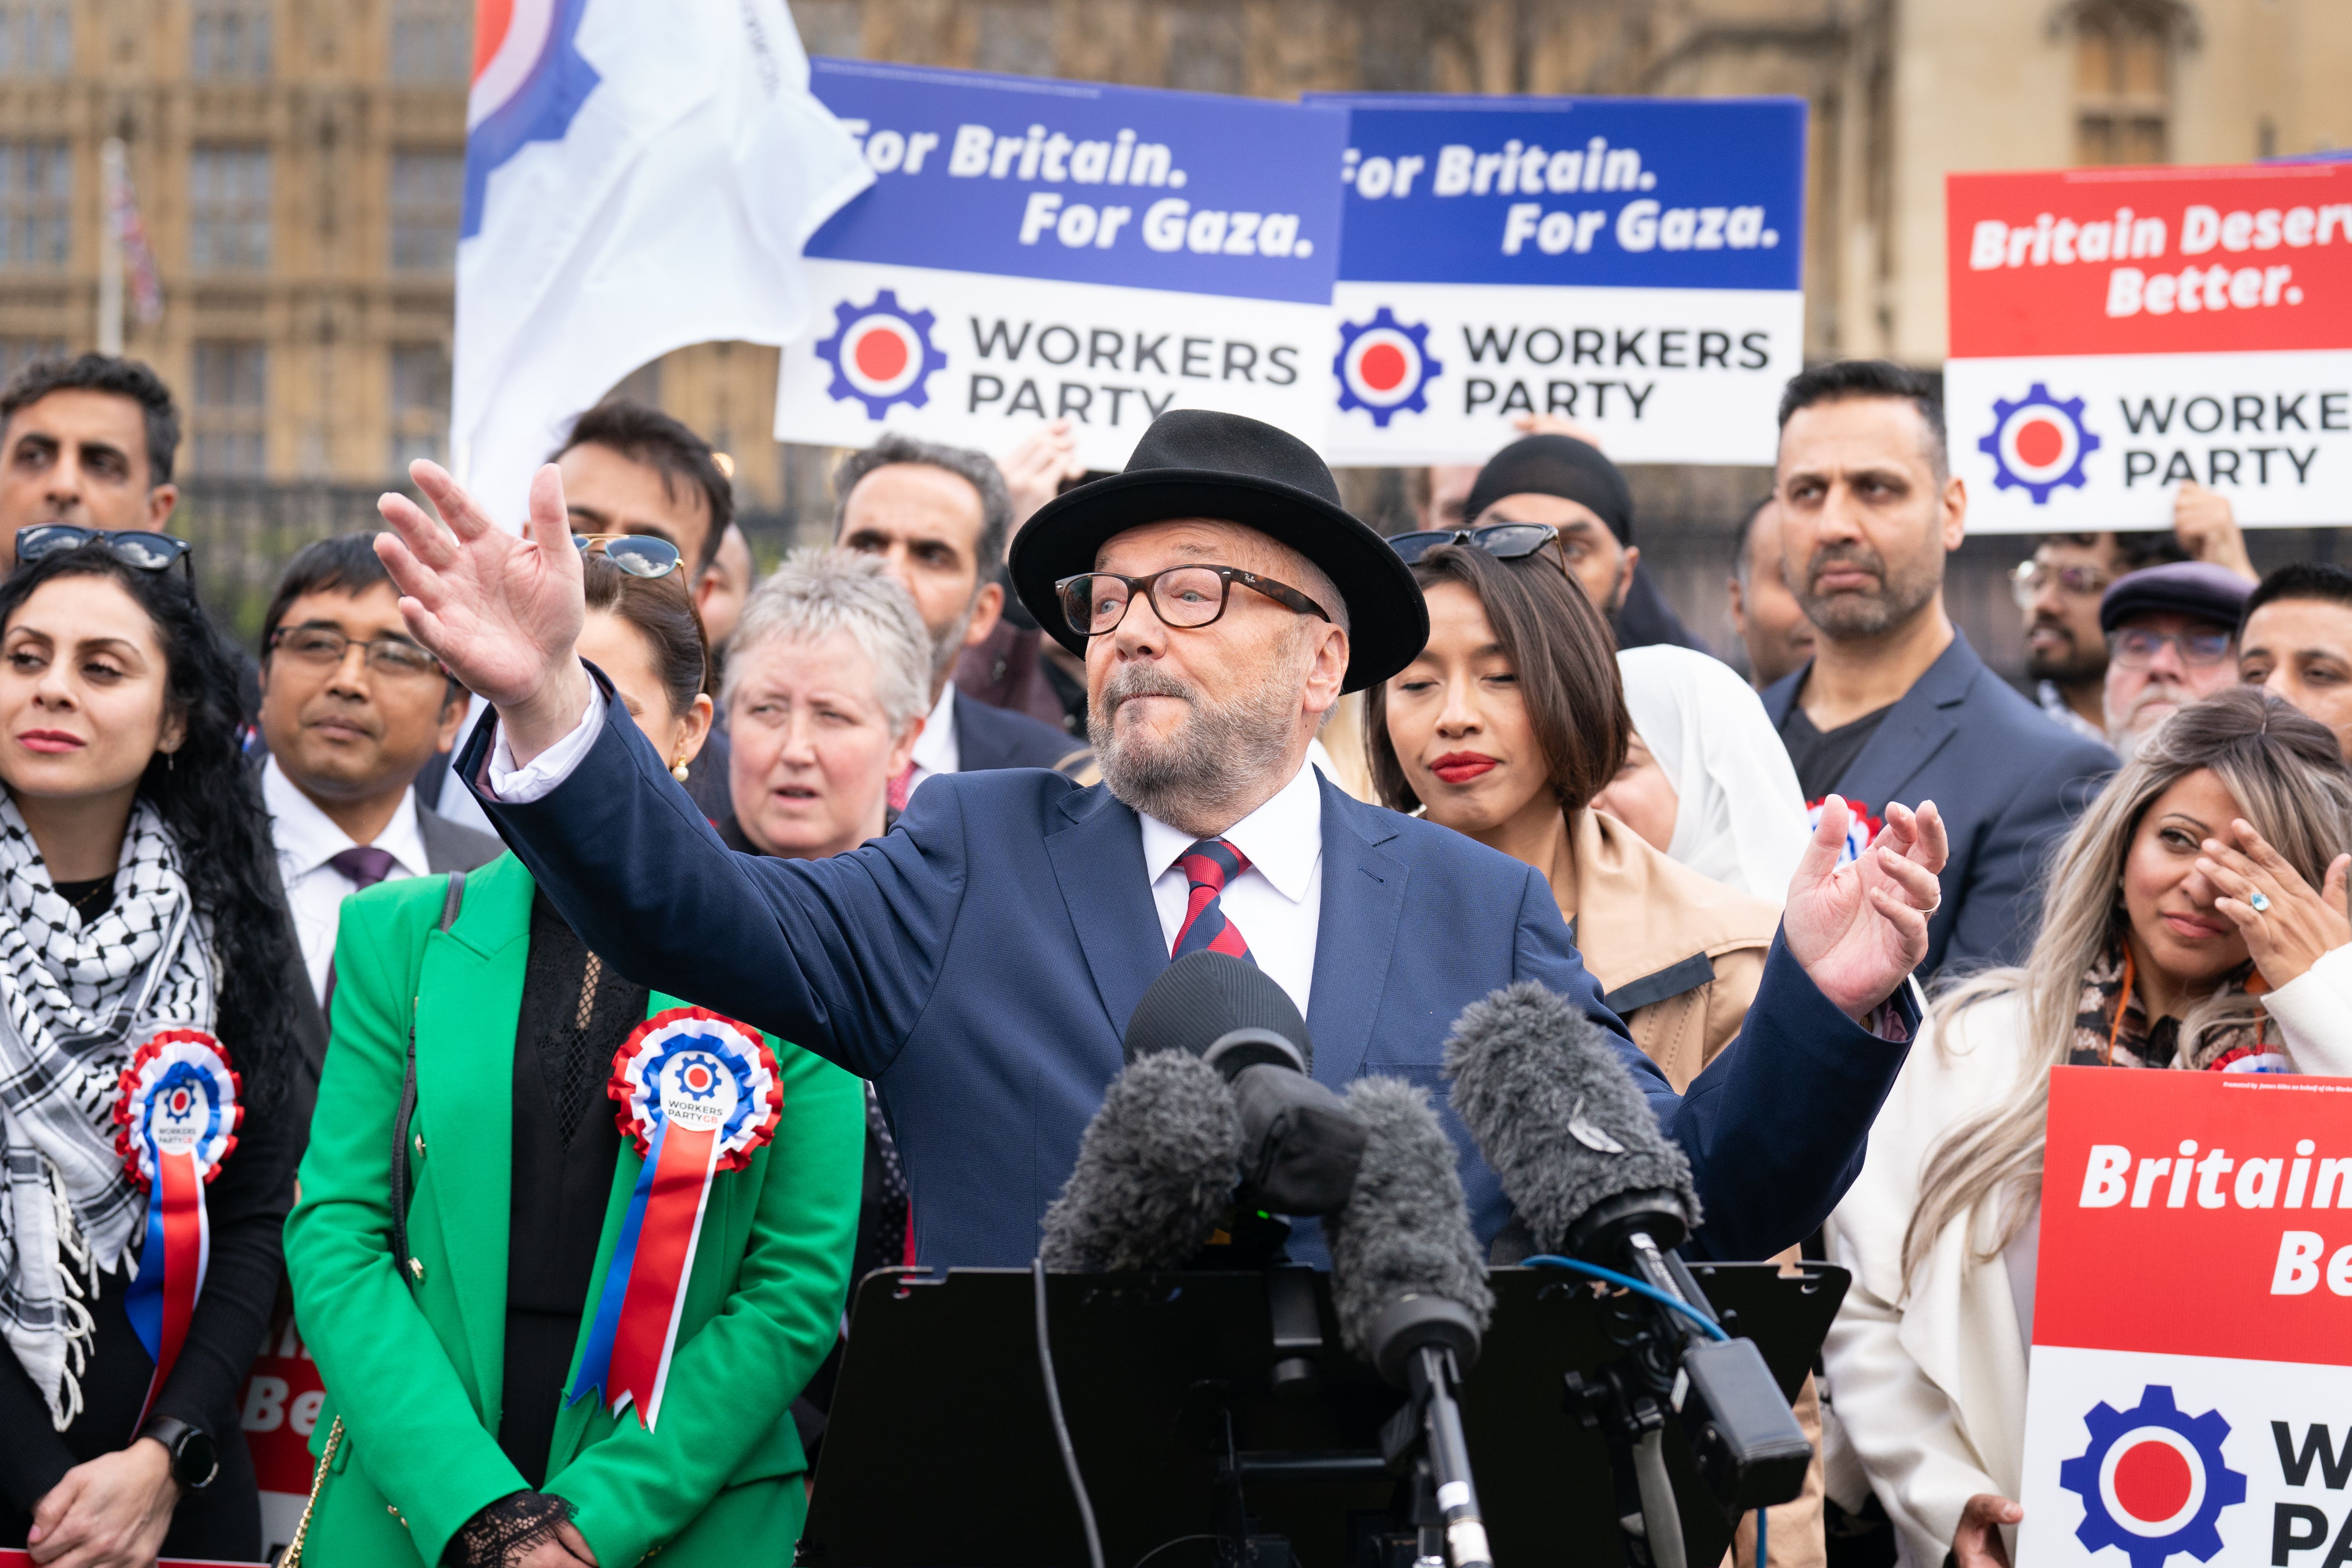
(2123, 1000)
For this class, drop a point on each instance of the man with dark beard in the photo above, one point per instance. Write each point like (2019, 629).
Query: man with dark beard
(980, 961)
(937, 517)
(1895, 706)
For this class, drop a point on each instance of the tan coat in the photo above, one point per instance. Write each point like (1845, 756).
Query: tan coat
(1676, 956)
(1679, 957)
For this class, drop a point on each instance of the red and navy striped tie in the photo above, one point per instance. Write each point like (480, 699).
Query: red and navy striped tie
(1209, 866)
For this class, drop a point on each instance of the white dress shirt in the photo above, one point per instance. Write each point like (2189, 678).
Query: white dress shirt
(935, 748)
(306, 839)
(1277, 904)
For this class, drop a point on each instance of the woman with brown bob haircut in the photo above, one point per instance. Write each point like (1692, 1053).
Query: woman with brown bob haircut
(1504, 729)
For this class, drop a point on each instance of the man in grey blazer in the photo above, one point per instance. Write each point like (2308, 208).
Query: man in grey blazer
(351, 708)
(1895, 706)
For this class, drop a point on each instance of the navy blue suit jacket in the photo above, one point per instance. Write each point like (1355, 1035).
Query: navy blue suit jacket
(2008, 779)
(989, 738)
(979, 963)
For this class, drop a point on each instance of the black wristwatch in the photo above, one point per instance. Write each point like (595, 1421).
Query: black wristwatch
(194, 1460)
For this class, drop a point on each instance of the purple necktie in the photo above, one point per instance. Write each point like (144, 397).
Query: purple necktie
(363, 866)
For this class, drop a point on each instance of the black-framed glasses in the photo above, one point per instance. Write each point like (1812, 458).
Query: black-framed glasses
(2028, 578)
(325, 647)
(1095, 602)
(638, 555)
(2135, 648)
(1502, 541)
(135, 547)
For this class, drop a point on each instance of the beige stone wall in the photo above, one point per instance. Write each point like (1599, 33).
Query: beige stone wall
(329, 307)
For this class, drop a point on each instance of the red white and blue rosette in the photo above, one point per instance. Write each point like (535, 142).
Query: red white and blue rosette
(698, 1095)
(176, 1121)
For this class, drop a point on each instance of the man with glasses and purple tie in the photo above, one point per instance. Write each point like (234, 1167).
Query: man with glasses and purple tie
(979, 962)
(351, 708)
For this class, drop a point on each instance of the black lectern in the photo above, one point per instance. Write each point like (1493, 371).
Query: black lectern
(1213, 1410)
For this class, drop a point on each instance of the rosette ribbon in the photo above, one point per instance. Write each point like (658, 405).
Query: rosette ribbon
(175, 1121)
(698, 1095)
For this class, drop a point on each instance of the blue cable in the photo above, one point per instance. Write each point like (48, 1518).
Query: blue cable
(1639, 1287)
(1642, 1288)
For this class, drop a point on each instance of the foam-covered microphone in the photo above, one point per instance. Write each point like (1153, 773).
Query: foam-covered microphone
(1214, 1098)
(1154, 1175)
(1582, 1157)
(1300, 1145)
(1590, 1173)
(1411, 1294)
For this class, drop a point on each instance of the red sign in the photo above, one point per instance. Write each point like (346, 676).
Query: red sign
(2144, 262)
(2197, 1214)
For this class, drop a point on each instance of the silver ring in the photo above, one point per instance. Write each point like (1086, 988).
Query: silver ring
(2261, 903)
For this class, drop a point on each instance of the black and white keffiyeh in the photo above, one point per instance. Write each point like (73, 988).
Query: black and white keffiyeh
(74, 1002)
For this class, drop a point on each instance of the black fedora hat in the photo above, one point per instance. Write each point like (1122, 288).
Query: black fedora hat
(1196, 462)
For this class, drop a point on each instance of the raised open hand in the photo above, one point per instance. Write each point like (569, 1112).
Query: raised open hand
(1859, 929)
(503, 613)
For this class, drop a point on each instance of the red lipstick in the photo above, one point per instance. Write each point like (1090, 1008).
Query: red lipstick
(1461, 767)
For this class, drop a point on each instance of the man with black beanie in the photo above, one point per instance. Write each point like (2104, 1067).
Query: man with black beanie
(1567, 483)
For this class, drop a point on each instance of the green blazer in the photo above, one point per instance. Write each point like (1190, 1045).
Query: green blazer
(415, 1372)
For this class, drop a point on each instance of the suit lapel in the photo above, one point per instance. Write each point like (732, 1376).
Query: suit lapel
(469, 1002)
(1363, 895)
(1099, 862)
(1910, 737)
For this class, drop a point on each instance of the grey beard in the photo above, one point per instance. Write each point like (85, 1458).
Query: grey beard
(1221, 753)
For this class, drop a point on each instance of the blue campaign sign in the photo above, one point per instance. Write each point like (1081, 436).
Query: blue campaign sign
(1633, 266)
(1598, 192)
(1082, 182)
(1034, 250)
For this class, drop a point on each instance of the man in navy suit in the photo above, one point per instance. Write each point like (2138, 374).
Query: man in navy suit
(979, 962)
(1895, 707)
(937, 516)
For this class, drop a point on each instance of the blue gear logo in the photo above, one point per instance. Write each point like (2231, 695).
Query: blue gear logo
(881, 354)
(2153, 1482)
(2038, 443)
(697, 1068)
(1384, 367)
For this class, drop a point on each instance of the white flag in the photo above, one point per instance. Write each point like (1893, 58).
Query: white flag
(639, 176)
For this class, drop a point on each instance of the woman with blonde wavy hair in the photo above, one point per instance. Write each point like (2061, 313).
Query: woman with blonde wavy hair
(2180, 928)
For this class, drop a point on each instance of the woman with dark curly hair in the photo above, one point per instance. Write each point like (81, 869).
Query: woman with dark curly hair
(145, 1126)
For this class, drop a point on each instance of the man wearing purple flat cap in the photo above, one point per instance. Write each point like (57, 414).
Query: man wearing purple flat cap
(2172, 638)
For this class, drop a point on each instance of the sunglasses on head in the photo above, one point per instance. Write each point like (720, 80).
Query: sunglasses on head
(638, 555)
(1502, 541)
(134, 547)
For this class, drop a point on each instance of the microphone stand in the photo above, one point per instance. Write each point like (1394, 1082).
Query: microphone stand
(1747, 1444)
(1419, 1337)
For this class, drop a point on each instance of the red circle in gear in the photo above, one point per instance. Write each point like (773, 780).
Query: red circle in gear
(2153, 1481)
(1382, 367)
(2039, 443)
(881, 356)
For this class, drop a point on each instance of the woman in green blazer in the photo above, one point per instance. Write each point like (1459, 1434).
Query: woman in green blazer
(451, 1371)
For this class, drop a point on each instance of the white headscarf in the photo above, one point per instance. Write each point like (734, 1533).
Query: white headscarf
(1741, 819)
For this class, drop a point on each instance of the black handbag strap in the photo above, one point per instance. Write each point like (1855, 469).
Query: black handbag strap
(451, 903)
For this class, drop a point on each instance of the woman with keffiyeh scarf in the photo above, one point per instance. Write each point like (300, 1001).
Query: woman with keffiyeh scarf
(136, 897)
